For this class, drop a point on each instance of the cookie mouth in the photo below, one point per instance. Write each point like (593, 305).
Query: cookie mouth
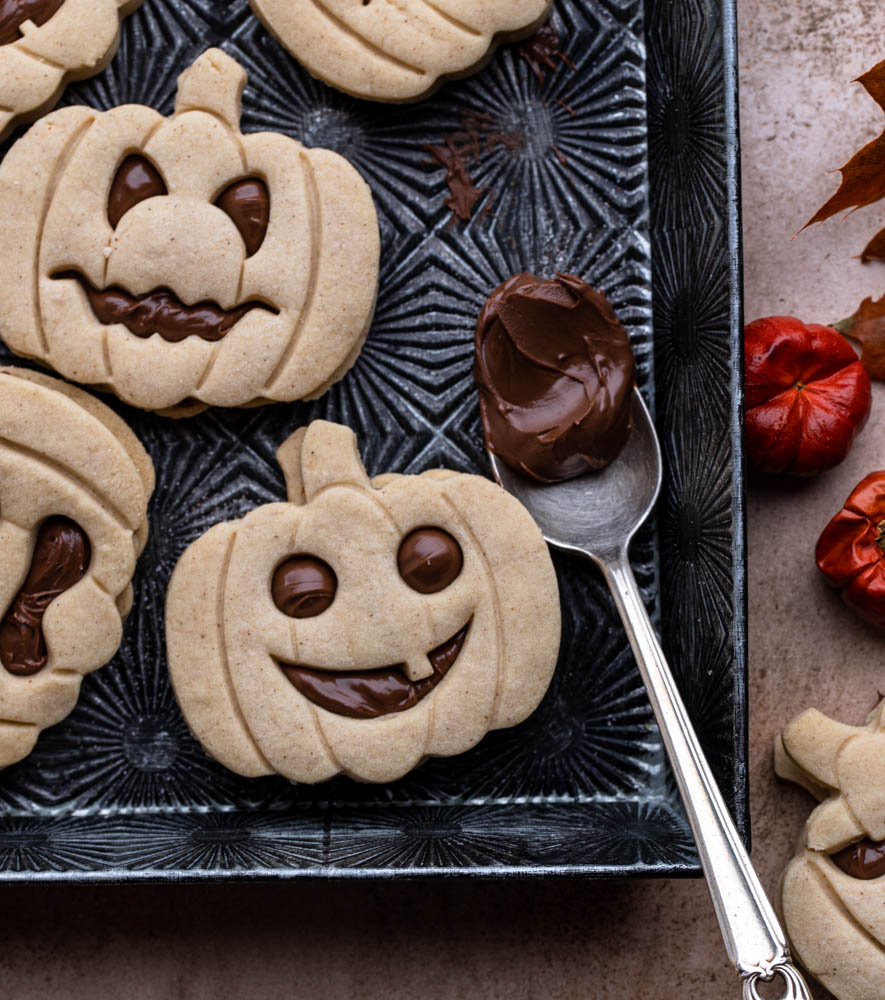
(367, 694)
(13, 18)
(161, 311)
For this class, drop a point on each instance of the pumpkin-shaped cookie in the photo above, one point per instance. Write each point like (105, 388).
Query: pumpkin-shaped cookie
(363, 625)
(396, 50)
(833, 891)
(179, 263)
(74, 486)
(46, 43)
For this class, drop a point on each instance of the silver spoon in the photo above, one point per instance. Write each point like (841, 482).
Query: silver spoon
(597, 515)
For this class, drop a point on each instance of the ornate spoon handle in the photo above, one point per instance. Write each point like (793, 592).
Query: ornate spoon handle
(753, 936)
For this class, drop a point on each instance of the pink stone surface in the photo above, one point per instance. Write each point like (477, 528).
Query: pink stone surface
(801, 117)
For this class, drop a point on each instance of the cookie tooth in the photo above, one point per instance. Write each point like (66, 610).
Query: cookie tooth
(419, 612)
(76, 41)
(74, 485)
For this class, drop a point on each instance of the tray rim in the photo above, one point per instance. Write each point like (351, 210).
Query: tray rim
(730, 220)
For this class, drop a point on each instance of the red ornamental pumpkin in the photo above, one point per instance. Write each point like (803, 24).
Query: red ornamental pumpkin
(851, 550)
(807, 396)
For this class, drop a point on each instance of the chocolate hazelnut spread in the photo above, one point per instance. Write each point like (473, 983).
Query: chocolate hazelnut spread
(247, 202)
(137, 179)
(555, 374)
(368, 694)
(863, 860)
(14, 13)
(303, 586)
(160, 312)
(429, 559)
(61, 558)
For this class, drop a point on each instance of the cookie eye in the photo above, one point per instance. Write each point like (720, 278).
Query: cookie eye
(303, 586)
(247, 202)
(864, 859)
(429, 559)
(136, 179)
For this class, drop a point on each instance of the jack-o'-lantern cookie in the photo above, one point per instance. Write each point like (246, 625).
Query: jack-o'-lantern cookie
(833, 891)
(179, 263)
(46, 43)
(74, 487)
(364, 625)
(396, 50)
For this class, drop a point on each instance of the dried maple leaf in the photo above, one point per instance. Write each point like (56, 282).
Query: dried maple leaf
(863, 176)
(875, 249)
(867, 327)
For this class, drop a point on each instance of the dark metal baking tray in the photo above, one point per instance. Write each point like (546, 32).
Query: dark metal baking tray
(622, 167)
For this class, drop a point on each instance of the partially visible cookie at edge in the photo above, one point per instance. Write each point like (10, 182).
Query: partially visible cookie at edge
(832, 894)
(46, 43)
(74, 488)
(396, 50)
(179, 263)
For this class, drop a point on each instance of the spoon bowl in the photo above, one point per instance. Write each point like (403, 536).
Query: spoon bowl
(598, 513)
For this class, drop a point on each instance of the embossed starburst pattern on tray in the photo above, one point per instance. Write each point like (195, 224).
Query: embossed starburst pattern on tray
(618, 167)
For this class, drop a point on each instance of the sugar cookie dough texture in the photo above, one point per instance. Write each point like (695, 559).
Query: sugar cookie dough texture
(396, 50)
(179, 263)
(64, 458)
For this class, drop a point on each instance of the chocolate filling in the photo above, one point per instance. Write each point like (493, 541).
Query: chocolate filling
(863, 860)
(161, 311)
(14, 13)
(61, 558)
(367, 694)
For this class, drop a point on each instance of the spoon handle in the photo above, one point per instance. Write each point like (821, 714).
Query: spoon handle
(753, 937)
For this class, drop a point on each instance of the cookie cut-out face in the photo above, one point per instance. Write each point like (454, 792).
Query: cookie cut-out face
(182, 264)
(833, 891)
(396, 50)
(74, 486)
(46, 43)
(363, 625)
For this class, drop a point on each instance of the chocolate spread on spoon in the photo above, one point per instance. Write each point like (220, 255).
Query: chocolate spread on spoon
(555, 374)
